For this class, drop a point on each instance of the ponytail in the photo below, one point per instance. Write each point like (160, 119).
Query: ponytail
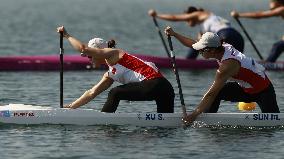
(192, 9)
(111, 43)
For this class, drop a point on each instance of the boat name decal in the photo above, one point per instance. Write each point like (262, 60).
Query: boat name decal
(5, 113)
(150, 116)
(24, 114)
(266, 117)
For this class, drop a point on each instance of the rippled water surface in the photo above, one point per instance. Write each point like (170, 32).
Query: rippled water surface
(28, 28)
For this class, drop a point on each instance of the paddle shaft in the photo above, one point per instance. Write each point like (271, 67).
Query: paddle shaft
(177, 75)
(61, 69)
(252, 43)
(161, 36)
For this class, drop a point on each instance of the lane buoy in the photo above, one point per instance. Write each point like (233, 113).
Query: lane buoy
(247, 106)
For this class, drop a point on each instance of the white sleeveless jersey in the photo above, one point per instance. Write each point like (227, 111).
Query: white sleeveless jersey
(214, 23)
(251, 76)
(132, 69)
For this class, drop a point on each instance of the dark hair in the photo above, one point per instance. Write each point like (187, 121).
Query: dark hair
(111, 43)
(192, 9)
(278, 1)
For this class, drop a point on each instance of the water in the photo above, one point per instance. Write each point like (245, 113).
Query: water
(28, 28)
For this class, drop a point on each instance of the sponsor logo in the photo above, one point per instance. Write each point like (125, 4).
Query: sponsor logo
(5, 113)
(23, 114)
(150, 116)
(266, 117)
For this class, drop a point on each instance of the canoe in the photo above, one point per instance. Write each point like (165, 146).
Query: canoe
(34, 115)
(76, 62)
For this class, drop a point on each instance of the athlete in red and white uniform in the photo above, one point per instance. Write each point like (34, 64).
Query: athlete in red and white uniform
(142, 81)
(238, 78)
(249, 84)
(132, 69)
(257, 80)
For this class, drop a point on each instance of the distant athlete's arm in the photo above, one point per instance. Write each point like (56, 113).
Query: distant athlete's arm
(178, 17)
(263, 14)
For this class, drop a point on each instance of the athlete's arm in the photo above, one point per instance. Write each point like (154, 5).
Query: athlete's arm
(178, 17)
(104, 84)
(227, 69)
(184, 40)
(105, 53)
(260, 14)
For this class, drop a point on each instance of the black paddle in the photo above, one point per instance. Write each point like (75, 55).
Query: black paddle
(161, 36)
(177, 75)
(61, 69)
(252, 43)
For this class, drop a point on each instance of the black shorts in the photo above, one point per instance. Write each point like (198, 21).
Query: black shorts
(158, 89)
(232, 91)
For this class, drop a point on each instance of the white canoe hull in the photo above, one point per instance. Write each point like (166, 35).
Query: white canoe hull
(28, 114)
